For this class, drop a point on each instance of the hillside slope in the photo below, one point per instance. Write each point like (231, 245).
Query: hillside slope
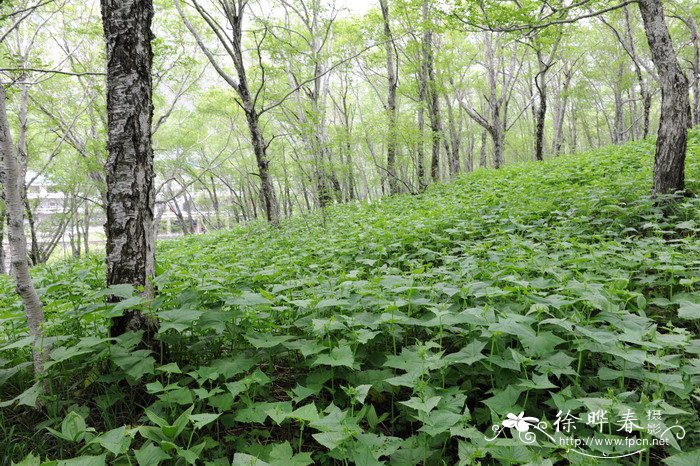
(396, 332)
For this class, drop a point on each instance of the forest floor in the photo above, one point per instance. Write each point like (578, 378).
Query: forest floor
(397, 332)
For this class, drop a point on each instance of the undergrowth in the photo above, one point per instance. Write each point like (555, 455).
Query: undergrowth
(397, 332)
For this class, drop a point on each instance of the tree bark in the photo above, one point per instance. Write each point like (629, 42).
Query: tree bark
(34, 250)
(695, 39)
(432, 94)
(560, 112)
(420, 153)
(482, 149)
(618, 134)
(454, 143)
(470, 154)
(86, 228)
(392, 82)
(672, 138)
(129, 167)
(541, 111)
(2, 234)
(10, 178)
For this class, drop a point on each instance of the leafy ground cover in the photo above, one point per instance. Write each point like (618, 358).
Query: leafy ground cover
(397, 332)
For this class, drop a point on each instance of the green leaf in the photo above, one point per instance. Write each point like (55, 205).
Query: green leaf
(259, 340)
(439, 421)
(332, 302)
(467, 355)
(538, 382)
(340, 356)
(258, 377)
(73, 426)
(122, 290)
(171, 431)
(306, 413)
(29, 460)
(331, 440)
(150, 455)
(130, 303)
(248, 298)
(280, 411)
(201, 420)
(504, 401)
(170, 368)
(27, 397)
(116, 441)
(541, 344)
(282, 454)
(301, 393)
(100, 460)
(426, 405)
(361, 392)
(178, 320)
(689, 310)
(688, 458)
(408, 379)
(135, 363)
(243, 459)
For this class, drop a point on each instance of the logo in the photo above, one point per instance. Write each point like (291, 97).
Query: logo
(623, 436)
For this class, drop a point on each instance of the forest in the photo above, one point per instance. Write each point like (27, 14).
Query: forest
(349, 232)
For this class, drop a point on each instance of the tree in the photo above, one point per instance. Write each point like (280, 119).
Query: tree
(130, 192)
(10, 176)
(495, 123)
(307, 68)
(392, 84)
(671, 142)
(231, 39)
(544, 62)
(672, 138)
(627, 42)
(430, 85)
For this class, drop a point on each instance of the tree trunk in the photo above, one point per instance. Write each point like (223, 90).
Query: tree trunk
(573, 132)
(560, 113)
(470, 154)
(541, 112)
(352, 195)
(420, 153)
(497, 137)
(432, 94)
(672, 138)
(129, 167)
(482, 150)
(86, 228)
(260, 149)
(695, 38)
(643, 88)
(2, 234)
(618, 134)
(392, 79)
(453, 143)
(10, 177)
(22, 157)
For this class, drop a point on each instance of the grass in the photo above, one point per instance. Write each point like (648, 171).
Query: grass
(397, 332)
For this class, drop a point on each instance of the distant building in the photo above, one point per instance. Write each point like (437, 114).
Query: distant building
(43, 193)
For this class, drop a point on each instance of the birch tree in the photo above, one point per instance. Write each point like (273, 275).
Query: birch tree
(391, 110)
(129, 167)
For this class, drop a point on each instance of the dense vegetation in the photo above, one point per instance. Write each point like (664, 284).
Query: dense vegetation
(394, 332)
